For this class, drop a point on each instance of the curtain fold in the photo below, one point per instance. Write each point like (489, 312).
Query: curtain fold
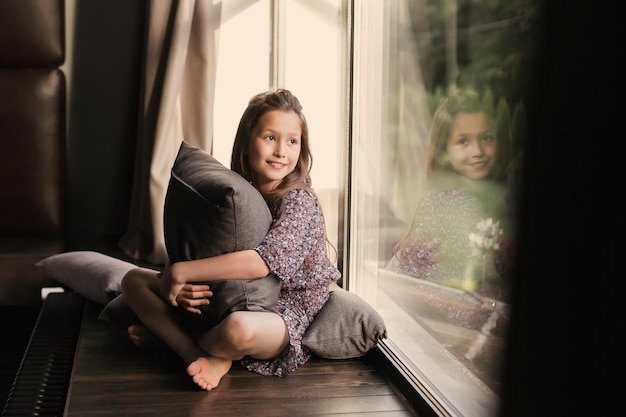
(180, 66)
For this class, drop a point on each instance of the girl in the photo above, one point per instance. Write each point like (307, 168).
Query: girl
(271, 150)
(461, 230)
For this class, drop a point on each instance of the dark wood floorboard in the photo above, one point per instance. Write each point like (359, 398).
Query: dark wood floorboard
(112, 378)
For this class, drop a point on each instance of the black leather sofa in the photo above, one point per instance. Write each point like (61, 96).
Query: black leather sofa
(32, 144)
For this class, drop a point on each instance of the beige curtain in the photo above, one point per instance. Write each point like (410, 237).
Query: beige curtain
(178, 99)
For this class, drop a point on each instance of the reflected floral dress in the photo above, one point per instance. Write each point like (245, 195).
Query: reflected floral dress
(459, 239)
(295, 251)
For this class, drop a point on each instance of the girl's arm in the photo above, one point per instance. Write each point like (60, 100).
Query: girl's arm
(245, 264)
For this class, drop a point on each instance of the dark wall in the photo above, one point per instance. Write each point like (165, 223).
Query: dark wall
(565, 351)
(103, 114)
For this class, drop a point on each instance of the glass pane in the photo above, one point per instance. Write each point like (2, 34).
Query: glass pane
(232, 90)
(299, 61)
(304, 61)
(436, 158)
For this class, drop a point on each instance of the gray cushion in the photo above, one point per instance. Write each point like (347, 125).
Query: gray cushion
(346, 327)
(119, 313)
(211, 210)
(94, 275)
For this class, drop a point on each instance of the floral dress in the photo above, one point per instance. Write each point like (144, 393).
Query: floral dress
(460, 237)
(295, 251)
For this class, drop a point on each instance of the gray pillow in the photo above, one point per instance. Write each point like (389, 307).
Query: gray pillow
(211, 210)
(346, 327)
(94, 275)
(119, 313)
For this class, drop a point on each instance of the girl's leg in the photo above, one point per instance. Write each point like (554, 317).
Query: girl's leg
(261, 335)
(141, 291)
(142, 337)
(257, 334)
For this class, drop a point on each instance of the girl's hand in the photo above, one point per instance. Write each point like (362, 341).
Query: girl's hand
(192, 296)
(181, 294)
(169, 288)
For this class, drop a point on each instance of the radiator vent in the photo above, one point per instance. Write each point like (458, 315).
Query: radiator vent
(41, 382)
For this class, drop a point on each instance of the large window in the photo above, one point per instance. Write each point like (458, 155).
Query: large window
(437, 139)
(270, 43)
(424, 221)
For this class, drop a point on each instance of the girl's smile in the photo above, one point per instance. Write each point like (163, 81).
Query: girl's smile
(274, 148)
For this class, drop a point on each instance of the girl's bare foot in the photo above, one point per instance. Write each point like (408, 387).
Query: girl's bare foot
(141, 337)
(207, 372)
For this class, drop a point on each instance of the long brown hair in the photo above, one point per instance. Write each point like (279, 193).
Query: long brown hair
(282, 100)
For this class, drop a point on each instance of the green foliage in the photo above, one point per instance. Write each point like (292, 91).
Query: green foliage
(493, 45)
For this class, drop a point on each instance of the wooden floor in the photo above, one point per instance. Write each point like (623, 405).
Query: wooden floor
(112, 378)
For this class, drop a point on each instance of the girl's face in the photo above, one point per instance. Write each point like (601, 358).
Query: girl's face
(274, 148)
(471, 145)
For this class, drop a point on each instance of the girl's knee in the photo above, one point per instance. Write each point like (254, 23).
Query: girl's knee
(133, 281)
(238, 330)
(261, 335)
(127, 281)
